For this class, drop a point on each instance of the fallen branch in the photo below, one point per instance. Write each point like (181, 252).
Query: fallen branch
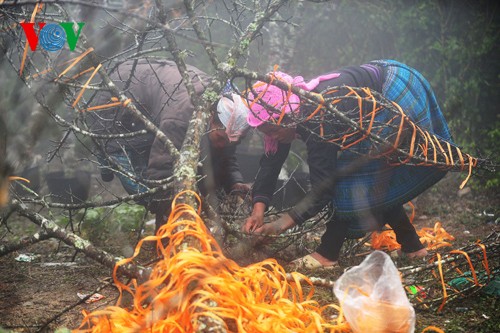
(23, 242)
(53, 230)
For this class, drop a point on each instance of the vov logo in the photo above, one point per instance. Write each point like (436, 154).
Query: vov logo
(52, 36)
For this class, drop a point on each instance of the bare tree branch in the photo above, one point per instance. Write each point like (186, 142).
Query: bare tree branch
(24, 242)
(51, 228)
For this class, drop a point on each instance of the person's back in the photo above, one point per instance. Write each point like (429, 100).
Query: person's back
(158, 91)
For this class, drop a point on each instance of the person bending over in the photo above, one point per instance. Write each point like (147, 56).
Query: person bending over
(366, 194)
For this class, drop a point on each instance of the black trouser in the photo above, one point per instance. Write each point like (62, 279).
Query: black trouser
(336, 231)
(161, 210)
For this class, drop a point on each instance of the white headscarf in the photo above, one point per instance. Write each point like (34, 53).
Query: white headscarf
(233, 115)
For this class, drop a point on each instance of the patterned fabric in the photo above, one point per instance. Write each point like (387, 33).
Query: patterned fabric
(134, 163)
(137, 169)
(409, 89)
(380, 186)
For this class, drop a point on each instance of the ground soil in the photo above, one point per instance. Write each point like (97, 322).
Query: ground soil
(32, 294)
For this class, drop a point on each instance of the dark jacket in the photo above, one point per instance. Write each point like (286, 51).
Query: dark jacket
(321, 155)
(158, 91)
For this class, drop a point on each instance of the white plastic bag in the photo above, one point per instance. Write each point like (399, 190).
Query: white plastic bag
(373, 298)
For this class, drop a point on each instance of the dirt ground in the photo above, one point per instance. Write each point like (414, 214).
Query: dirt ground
(41, 294)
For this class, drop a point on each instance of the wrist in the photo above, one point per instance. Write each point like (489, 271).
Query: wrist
(259, 208)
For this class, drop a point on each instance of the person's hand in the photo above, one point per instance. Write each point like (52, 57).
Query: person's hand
(254, 222)
(276, 227)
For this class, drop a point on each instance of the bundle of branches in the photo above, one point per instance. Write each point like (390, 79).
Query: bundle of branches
(195, 280)
(292, 243)
(376, 126)
(454, 274)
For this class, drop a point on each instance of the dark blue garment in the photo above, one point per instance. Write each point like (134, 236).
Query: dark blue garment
(132, 162)
(377, 185)
(136, 165)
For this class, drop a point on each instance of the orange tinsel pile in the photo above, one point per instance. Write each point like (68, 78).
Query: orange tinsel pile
(194, 285)
(432, 238)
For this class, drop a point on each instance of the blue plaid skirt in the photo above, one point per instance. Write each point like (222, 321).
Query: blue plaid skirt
(378, 185)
